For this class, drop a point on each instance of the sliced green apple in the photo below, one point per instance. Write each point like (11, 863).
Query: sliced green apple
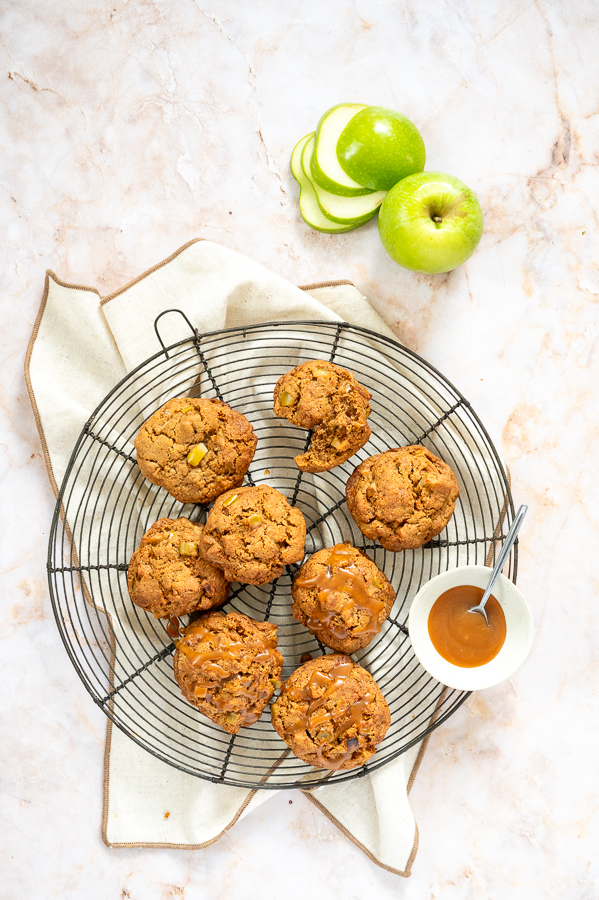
(310, 211)
(345, 210)
(326, 169)
(380, 146)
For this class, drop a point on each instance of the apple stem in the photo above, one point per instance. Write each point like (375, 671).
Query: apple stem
(437, 219)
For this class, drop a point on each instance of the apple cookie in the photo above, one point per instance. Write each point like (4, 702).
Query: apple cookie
(322, 396)
(228, 667)
(402, 497)
(168, 577)
(342, 597)
(253, 533)
(331, 712)
(195, 448)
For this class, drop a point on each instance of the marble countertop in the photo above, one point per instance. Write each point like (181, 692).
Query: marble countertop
(128, 129)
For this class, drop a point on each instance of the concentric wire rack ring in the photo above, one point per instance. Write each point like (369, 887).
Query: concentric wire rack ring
(124, 656)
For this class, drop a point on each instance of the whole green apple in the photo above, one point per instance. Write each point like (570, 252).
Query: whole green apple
(378, 147)
(430, 222)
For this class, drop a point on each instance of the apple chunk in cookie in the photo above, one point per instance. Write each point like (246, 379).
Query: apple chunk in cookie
(322, 396)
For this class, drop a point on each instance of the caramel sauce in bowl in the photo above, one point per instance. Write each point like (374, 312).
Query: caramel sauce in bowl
(457, 647)
(461, 637)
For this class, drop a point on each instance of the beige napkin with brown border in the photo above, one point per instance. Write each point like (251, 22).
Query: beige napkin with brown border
(81, 347)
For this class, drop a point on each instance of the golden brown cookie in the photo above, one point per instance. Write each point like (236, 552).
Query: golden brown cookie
(341, 596)
(253, 533)
(168, 577)
(228, 667)
(403, 497)
(322, 396)
(196, 449)
(331, 712)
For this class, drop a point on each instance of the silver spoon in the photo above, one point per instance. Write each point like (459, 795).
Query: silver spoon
(503, 555)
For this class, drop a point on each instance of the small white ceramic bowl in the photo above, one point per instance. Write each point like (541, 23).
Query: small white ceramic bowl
(518, 638)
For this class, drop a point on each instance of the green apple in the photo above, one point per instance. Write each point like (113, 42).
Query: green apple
(378, 147)
(310, 211)
(345, 210)
(325, 167)
(430, 222)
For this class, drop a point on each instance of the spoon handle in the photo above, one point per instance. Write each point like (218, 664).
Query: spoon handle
(504, 552)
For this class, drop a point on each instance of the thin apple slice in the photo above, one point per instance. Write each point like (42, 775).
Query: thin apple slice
(310, 211)
(326, 170)
(345, 210)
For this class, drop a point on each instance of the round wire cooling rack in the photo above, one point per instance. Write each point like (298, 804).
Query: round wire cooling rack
(124, 656)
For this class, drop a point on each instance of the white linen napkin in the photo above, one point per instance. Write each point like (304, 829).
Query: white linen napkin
(80, 348)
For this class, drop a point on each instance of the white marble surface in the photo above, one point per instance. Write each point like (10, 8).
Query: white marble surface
(129, 128)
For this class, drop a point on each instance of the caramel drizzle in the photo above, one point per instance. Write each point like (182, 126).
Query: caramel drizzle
(315, 716)
(335, 764)
(174, 628)
(341, 575)
(207, 661)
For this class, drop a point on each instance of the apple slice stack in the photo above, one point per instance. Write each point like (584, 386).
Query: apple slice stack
(345, 168)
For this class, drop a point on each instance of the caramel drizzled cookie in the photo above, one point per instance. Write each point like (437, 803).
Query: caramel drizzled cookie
(403, 497)
(228, 667)
(168, 577)
(342, 597)
(253, 533)
(322, 396)
(195, 448)
(331, 712)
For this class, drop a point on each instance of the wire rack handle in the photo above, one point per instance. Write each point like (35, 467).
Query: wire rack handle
(193, 330)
